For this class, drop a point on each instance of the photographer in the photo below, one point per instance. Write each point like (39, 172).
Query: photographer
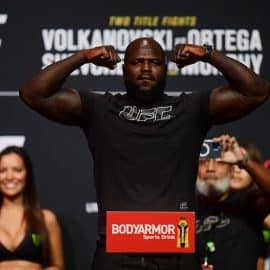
(229, 223)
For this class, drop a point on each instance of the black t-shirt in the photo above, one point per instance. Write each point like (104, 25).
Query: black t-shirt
(234, 226)
(145, 158)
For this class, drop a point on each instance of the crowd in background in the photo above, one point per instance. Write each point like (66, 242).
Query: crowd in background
(232, 215)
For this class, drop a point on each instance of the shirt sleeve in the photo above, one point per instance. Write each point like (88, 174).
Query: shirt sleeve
(88, 104)
(200, 102)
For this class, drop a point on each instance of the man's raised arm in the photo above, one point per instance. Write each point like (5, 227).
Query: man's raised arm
(45, 93)
(245, 90)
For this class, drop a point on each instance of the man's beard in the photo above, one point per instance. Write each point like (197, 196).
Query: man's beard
(213, 189)
(146, 97)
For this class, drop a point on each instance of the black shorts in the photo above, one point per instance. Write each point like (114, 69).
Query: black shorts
(128, 261)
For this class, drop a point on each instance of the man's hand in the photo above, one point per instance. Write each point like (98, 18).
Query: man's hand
(187, 54)
(105, 56)
(231, 151)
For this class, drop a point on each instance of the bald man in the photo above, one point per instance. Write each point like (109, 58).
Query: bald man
(145, 144)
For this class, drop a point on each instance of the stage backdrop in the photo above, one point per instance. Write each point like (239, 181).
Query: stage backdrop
(35, 34)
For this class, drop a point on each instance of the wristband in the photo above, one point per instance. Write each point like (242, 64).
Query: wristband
(208, 51)
(243, 163)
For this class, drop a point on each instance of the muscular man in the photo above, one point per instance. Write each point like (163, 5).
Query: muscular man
(145, 144)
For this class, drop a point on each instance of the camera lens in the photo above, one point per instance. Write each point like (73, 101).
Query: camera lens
(215, 145)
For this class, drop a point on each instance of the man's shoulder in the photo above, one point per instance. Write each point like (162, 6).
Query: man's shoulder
(192, 96)
(174, 96)
(186, 93)
(103, 94)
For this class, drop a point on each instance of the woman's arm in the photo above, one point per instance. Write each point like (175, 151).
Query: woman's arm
(56, 258)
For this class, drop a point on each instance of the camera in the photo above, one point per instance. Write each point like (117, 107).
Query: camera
(210, 149)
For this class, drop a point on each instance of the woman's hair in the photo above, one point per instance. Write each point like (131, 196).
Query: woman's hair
(32, 211)
(255, 155)
(253, 152)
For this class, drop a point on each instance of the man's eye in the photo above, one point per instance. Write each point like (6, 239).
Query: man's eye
(155, 62)
(135, 62)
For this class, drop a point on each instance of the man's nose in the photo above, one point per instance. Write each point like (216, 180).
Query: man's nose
(145, 66)
(211, 164)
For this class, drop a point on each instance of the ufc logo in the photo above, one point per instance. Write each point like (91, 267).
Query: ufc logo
(132, 113)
